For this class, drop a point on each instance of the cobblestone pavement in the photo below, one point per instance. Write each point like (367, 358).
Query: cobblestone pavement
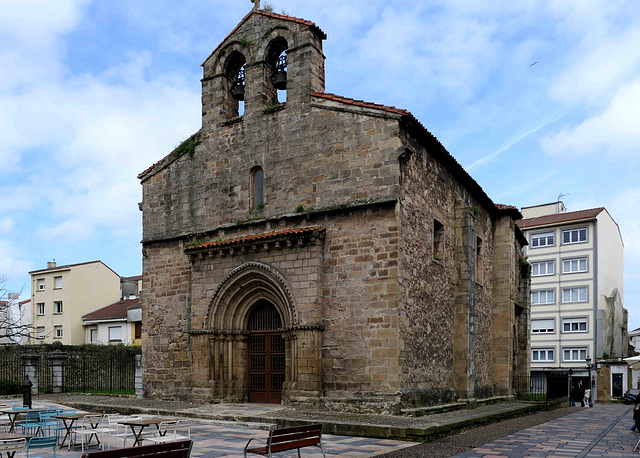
(603, 431)
(227, 439)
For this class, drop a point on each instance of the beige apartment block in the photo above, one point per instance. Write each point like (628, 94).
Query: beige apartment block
(61, 295)
(577, 297)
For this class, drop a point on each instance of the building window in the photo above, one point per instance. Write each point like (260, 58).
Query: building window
(479, 268)
(93, 336)
(41, 284)
(257, 189)
(542, 355)
(574, 236)
(574, 325)
(40, 308)
(542, 297)
(58, 331)
(41, 333)
(542, 326)
(115, 333)
(57, 282)
(574, 294)
(571, 266)
(542, 240)
(138, 330)
(57, 307)
(438, 240)
(574, 354)
(542, 268)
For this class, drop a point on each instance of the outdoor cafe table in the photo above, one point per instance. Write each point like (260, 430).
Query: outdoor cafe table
(140, 424)
(13, 415)
(69, 420)
(9, 436)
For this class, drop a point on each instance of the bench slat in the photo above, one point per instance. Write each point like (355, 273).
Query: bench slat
(294, 437)
(298, 429)
(178, 449)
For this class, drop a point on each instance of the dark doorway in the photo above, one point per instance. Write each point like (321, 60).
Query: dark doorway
(266, 355)
(616, 385)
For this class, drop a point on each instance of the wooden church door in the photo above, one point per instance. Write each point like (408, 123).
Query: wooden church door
(266, 355)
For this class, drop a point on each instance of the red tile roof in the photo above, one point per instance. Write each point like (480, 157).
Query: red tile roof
(264, 237)
(285, 17)
(360, 103)
(559, 218)
(113, 311)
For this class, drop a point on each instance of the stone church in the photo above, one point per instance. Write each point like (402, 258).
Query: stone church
(307, 248)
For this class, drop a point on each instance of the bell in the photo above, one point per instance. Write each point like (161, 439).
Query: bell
(238, 91)
(280, 81)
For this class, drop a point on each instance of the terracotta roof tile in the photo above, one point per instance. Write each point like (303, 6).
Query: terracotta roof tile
(113, 311)
(360, 103)
(559, 218)
(258, 237)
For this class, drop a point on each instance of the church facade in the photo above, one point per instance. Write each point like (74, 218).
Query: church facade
(322, 250)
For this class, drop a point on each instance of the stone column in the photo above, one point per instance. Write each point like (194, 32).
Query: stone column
(138, 377)
(57, 362)
(30, 369)
(464, 319)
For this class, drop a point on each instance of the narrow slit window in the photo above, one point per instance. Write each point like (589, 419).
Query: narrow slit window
(438, 244)
(257, 189)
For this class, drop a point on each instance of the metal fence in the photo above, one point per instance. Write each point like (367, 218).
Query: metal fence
(11, 376)
(87, 369)
(549, 388)
(95, 373)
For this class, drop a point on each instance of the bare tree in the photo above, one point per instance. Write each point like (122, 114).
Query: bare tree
(13, 329)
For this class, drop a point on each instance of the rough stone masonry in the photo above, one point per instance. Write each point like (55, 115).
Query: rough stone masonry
(321, 250)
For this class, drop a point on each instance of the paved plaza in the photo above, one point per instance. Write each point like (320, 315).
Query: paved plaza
(218, 439)
(603, 431)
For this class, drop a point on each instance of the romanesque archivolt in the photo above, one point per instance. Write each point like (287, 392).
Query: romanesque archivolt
(241, 289)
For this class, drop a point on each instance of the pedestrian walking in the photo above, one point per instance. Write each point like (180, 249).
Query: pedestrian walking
(587, 398)
(581, 393)
(574, 394)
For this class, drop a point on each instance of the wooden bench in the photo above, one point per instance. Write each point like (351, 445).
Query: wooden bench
(284, 439)
(179, 449)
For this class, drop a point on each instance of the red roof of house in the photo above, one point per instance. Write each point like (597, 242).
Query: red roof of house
(113, 311)
(559, 218)
(72, 265)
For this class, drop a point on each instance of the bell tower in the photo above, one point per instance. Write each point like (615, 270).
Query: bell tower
(267, 59)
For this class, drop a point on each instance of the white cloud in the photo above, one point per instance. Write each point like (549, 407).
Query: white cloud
(6, 224)
(614, 132)
(625, 208)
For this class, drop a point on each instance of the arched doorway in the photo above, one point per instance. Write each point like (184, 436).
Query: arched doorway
(265, 354)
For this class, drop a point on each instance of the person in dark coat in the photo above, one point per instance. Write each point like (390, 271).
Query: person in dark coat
(581, 393)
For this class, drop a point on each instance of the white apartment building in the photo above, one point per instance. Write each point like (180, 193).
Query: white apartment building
(577, 312)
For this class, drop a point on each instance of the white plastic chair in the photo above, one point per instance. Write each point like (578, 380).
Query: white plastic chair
(89, 428)
(116, 430)
(12, 446)
(166, 432)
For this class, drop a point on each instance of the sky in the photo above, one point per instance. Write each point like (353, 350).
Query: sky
(537, 99)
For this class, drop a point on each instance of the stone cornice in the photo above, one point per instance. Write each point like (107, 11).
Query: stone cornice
(275, 240)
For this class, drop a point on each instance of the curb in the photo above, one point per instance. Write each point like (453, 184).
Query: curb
(414, 433)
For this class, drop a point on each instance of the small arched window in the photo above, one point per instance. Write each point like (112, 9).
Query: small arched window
(257, 188)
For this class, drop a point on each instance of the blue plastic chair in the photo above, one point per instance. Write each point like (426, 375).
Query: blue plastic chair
(41, 443)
